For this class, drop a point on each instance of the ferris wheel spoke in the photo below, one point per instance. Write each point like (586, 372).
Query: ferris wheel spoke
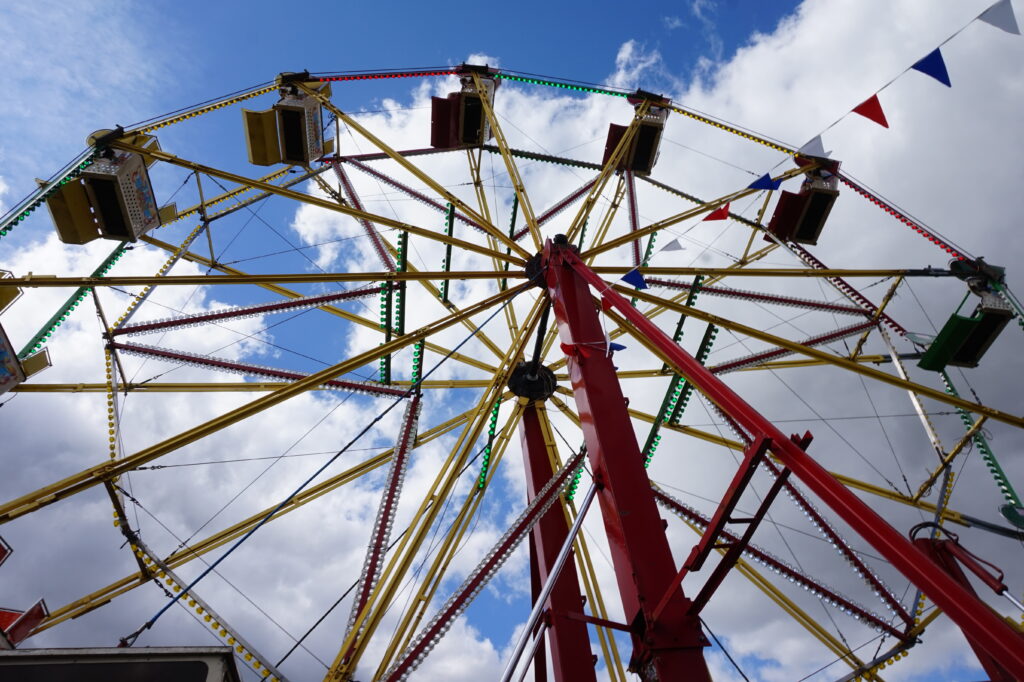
(838, 361)
(204, 205)
(607, 170)
(107, 470)
(611, 210)
(757, 297)
(481, 198)
(510, 166)
(318, 202)
(47, 281)
(386, 510)
(743, 271)
(419, 174)
(827, 593)
(370, 388)
(185, 554)
(402, 557)
(353, 199)
(680, 217)
(557, 209)
(409, 191)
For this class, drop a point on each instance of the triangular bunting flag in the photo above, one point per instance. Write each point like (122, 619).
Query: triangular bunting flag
(814, 147)
(616, 346)
(934, 66)
(673, 245)
(1001, 16)
(720, 213)
(871, 108)
(765, 182)
(634, 278)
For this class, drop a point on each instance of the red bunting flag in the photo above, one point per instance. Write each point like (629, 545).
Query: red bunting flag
(720, 213)
(871, 109)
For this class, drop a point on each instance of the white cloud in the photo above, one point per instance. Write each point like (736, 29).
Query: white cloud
(929, 162)
(3, 190)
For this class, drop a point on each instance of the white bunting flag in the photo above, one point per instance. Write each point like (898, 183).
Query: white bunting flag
(1001, 16)
(814, 147)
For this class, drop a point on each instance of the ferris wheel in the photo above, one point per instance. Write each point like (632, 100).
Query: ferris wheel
(461, 312)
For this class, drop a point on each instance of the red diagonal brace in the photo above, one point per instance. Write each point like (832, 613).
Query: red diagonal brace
(571, 658)
(751, 460)
(669, 647)
(736, 547)
(785, 570)
(993, 635)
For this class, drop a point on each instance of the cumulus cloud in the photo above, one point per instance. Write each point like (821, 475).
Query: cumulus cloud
(299, 565)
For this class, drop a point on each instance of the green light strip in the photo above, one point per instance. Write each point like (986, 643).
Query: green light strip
(37, 342)
(40, 197)
(401, 265)
(503, 283)
(446, 264)
(559, 84)
(989, 457)
(417, 363)
(385, 324)
(571, 492)
(702, 356)
(486, 457)
(676, 386)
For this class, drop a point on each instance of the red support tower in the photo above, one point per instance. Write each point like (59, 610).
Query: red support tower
(606, 423)
(671, 645)
(571, 658)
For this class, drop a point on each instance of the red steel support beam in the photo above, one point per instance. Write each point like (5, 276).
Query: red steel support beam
(669, 647)
(945, 554)
(634, 214)
(992, 634)
(571, 657)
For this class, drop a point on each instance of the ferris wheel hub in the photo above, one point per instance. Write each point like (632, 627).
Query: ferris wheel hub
(532, 381)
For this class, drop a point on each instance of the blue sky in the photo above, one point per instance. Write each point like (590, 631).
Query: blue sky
(112, 63)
